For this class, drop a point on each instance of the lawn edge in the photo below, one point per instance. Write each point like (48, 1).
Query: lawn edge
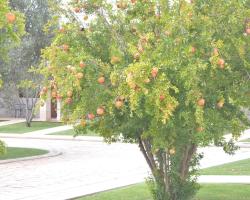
(50, 154)
(107, 190)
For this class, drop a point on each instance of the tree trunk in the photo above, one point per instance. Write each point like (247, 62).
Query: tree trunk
(28, 124)
(170, 172)
(28, 117)
(30, 110)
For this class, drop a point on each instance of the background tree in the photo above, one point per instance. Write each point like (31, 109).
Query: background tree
(170, 76)
(25, 56)
(30, 88)
(11, 30)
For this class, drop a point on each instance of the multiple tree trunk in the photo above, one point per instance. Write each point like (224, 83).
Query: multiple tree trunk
(162, 168)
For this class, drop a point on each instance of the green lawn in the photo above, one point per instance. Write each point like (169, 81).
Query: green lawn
(241, 167)
(247, 140)
(21, 127)
(72, 132)
(207, 192)
(14, 152)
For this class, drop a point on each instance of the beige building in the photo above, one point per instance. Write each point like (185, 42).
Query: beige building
(50, 111)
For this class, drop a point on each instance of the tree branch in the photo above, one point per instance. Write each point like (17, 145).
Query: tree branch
(149, 160)
(117, 37)
(187, 156)
(166, 169)
(149, 152)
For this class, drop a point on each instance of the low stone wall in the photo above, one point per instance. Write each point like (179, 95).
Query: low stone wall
(5, 111)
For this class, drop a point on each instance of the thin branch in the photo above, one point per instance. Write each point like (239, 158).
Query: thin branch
(117, 37)
(28, 7)
(145, 154)
(149, 152)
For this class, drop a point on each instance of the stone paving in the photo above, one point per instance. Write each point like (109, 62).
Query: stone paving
(84, 167)
(87, 166)
(224, 179)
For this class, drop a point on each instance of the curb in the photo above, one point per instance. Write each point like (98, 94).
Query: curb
(49, 137)
(50, 154)
(106, 190)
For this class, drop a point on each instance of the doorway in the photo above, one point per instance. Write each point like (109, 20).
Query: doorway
(53, 109)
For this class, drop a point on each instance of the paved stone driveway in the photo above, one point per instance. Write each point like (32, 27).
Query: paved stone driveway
(83, 168)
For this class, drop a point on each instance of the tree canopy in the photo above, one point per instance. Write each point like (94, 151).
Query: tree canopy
(11, 29)
(11, 26)
(169, 76)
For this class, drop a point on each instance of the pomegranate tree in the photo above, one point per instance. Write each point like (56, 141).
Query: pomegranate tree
(172, 76)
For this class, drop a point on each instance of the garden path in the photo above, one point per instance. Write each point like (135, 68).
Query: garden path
(88, 166)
